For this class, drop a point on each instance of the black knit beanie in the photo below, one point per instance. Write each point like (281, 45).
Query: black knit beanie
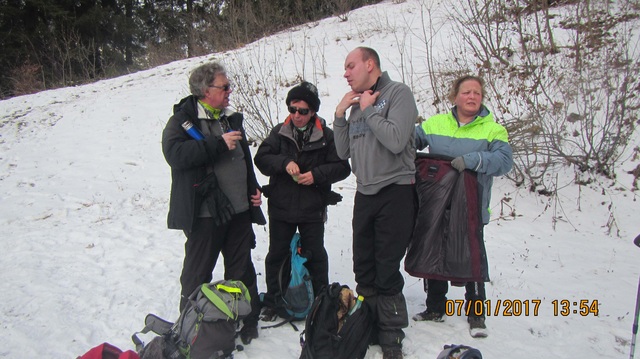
(306, 92)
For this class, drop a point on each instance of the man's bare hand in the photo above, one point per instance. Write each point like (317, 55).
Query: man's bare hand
(293, 169)
(368, 98)
(305, 179)
(256, 199)
(350, 98)
(231, 138)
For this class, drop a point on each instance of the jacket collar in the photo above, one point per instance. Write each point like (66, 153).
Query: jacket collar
(287, 131)
(482, 113)
(206, 115)
(381, 82)
(193, 109)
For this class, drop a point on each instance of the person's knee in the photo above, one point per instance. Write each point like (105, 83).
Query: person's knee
(389, 285)
(366, 291)
(276, 254)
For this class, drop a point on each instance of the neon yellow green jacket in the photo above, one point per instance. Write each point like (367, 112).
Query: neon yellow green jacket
(483, 143)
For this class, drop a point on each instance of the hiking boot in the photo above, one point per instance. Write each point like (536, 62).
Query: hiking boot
(429, 317)
(269, 314)
(477, 328)
(248, 333)
(392, 353)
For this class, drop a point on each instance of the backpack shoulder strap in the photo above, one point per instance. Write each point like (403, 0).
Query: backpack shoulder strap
(285, 321)
(152, 323)
(217, 301)
(470, 353)
(284, 275)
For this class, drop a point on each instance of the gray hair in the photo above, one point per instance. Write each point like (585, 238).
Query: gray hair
(202, 77)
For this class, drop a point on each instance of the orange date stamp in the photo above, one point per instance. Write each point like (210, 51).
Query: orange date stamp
(521, 307)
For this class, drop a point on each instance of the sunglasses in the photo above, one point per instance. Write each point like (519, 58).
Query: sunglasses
(302, 111)
(224, 88)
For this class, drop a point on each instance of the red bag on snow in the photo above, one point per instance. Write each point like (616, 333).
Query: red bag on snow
(108, 351)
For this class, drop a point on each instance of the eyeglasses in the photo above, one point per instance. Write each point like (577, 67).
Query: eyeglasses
(302, 111)
(224, 88)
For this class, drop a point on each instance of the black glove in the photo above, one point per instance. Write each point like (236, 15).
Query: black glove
(217, 202)
(219, 206)
(458, 163)
(332, 198)
(266, 190)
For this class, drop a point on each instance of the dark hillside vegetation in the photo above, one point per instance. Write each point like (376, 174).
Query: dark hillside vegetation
(56, 43)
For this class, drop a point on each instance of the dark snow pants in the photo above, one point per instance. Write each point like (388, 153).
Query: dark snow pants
(312, 242)
(437, 297)
(205, 242)
(382, 227)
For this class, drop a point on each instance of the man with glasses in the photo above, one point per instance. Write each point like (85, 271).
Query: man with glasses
(300, 158)
(215, 196)
(379, 138)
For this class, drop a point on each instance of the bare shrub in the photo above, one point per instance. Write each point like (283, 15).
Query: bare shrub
(27, 79)
(342, 8)
(257, 77)
(160, 54)
(564, 103)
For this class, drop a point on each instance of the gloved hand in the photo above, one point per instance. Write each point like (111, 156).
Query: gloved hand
(219, 206)
(332, 198)
(217, 202)
(458, 163)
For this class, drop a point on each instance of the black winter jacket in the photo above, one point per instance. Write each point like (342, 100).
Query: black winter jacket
(289, 201)
(447, 241)
(188, 159)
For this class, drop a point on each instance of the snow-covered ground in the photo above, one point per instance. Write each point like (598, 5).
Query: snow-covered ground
(85, 253)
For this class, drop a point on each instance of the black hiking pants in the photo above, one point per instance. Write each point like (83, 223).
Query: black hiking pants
(205, 242)
(312, 242)
(437, 297)
(382, 227)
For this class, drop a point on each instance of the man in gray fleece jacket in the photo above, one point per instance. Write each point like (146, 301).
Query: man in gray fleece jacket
(379, 139)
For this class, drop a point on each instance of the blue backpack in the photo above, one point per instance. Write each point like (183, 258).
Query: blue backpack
(295, 298)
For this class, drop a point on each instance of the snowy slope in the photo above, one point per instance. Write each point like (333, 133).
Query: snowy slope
(85, 253)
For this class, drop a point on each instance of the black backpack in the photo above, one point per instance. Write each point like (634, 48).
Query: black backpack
(454, 351)
(325, 336)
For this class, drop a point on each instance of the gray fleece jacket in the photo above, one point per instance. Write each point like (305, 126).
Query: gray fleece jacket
(380, 139)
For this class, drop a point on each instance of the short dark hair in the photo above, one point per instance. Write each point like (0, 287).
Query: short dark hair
(369, 53)
(455, 86)
(203, 76)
